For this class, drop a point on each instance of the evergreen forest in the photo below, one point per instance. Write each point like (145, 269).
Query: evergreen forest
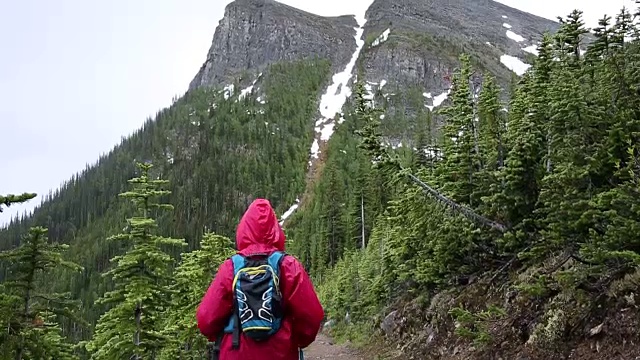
(517, 210)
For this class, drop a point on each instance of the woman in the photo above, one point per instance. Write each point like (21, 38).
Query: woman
(259, 233)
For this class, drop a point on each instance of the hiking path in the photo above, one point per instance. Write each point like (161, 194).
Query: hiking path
(324, 349)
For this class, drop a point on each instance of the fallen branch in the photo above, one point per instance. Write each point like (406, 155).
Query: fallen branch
(461, 208)
(380, 155)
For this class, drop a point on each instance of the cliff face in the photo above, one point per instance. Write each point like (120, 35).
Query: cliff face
(409, 42)
(424, 39)
(256, 33)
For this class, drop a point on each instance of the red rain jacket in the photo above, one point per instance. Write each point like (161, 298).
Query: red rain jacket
(259, 232)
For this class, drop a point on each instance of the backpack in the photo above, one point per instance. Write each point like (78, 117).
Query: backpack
(257, 305)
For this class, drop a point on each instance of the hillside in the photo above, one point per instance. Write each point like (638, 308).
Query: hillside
(276, 112)
(218, 148)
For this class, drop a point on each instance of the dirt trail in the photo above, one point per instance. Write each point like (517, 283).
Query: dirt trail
(324, 349)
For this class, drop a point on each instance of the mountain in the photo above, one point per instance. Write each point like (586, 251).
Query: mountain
(408, 43)
(275, 112)
(409, 53)
(255, 33)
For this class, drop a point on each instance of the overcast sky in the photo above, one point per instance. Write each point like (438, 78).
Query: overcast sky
(77, 75)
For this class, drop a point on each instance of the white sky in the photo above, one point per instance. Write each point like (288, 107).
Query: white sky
(76, 75)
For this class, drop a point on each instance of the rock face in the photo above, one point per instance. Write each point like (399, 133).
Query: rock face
(409, 42)
(256, 33)
(425, 37)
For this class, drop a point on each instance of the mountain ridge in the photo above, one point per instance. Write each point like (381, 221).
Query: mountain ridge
(256, 33)
(409, 46)
(263, 42)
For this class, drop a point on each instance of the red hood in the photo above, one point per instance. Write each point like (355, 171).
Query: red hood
(258, 230)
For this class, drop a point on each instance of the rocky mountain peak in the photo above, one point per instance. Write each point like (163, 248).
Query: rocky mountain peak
(256, 33)
(423, 40)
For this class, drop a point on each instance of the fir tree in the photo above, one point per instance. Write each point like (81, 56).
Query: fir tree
(491, 124)
(460, 158)
(8, 200)
(28, 313)
(132, 327)
(575, 134)
(492, 146)
(425, 145)
(192, 278)
(525, 140)
(370, 133)
(333, 204)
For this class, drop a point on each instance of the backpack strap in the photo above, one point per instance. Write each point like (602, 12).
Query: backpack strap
(275, 259)
(238, 263)
(234, 323)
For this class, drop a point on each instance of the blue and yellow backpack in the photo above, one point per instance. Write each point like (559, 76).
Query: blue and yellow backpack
(257, 309)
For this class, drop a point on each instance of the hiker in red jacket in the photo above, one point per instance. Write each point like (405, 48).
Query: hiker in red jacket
(259, 233)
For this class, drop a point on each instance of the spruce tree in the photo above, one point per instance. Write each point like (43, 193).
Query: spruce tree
(491, 124)
(424, 142)
(574, 134)
(132, 327)
(8, 200)
(28, 314)
(334, 230)
(192, 278)
(370, 132)
(460, 158)
(614, 232)
(491, 132)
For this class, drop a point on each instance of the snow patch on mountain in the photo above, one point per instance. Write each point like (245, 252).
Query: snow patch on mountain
(336, 94)
(515, 37)
(514, 64)
(532, 49)
(382, 38)
(505, 25)
(228, 90)
(371, 88)
(289, 211)
(248, 90)
(369, 94)
(436, 100)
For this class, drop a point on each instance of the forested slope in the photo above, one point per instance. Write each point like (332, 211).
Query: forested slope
(219, 150)
(560, 171)
(508, 230)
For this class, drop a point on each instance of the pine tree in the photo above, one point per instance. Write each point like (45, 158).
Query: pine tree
(568, 187)
(370, 131)
(352, 220)
(491, 124)
(525, 139)
(614, 232)
(615, 236)
(132, 327)
(425, 147)
(492, 146)
(332, 206)
(27, 312)
(574, 135)
(620, 74)
(460, 158)
(192, 278)
(8, 200)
